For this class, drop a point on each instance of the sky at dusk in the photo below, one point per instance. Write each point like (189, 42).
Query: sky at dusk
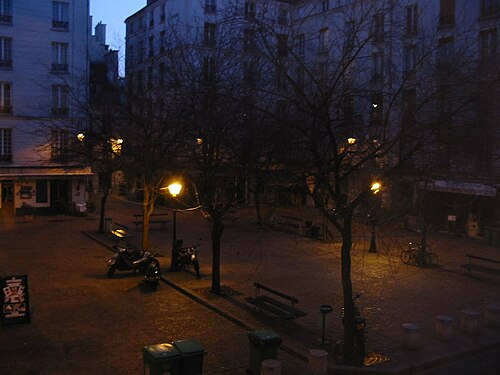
(112, 13)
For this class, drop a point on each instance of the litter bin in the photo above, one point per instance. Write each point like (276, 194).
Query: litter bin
(263, 345)
(487, 236)
(161, 358)
(107, 224)
(495, 236)
(191, 353)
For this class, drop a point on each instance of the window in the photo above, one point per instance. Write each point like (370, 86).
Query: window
(130, 58)
(59, 57)
(300, 76)
(5, 97)
(249, 73)
(377, 66)
(150, 78)
(140, 81)
(60, 15)
(378, 27)
(446, 13)
(5, 11)
(325, 5)
(280, 78)
(376, 109)
(323, 40)
(347, 110)
(5, 52)
(490, 7)
(488, 47)
(210, 6)
(162, 14)
(409, 106)
(162, 41)
(250, 10)
(5, 145)
(60, 94)
(445, 51)
(410, 58)
(209, 69)
(322, 72)
(283, 16)
(42, 191)
(152, 19)
(301, 44)
(411, 19)
(209, 34)
(161, 74)
(59, 143)
(140, 52)
(249, 44)
(282, 45)
(151, 41)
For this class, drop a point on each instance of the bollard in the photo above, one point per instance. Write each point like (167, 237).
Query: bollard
(492, 315)
(412, 338)
(444, 327)
(469, 321)
(317, 362)
(270, 367)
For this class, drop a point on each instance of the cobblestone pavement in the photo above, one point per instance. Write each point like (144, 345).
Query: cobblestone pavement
(310, 270)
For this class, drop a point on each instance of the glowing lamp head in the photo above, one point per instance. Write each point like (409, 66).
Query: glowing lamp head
(174, 189)
(80, 137)
(375, 188)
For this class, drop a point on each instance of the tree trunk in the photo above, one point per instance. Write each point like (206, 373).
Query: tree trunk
(348, 320)
(103, 211)
(147, 209)
(217, 229)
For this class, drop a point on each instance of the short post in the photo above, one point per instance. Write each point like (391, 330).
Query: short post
(469, 321)
(411, 336)
(270, 367)
(324, 310)
(444, 327)
(492, 315)
(317, 363)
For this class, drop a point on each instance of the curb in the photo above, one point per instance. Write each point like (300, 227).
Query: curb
(299, 354)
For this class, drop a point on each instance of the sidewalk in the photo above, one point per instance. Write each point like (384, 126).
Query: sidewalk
(308, 269)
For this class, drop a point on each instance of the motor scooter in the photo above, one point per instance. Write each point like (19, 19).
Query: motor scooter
(187, 256)
(134, 260)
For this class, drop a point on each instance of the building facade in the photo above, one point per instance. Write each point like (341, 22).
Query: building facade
(384, 67)
(44, 80)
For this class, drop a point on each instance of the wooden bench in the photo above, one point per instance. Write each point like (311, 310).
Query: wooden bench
(269, 303)
(474, 266)
(153, 219)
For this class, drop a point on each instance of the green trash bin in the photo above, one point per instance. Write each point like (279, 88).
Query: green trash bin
(161, 358)
(192, 354)
(263, 345)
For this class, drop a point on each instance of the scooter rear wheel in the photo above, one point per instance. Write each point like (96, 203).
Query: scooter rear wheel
(111, 271)
(405, 257)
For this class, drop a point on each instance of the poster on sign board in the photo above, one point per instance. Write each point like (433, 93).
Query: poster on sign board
(15, 300)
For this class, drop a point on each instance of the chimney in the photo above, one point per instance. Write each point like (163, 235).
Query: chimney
(100, 33)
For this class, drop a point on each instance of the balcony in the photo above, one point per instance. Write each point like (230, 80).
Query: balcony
(5, 159)
(60, 25)
(6, 64)
(60, 112)
(5, 109)
(59, 68)
(6, 18)
(210, 8)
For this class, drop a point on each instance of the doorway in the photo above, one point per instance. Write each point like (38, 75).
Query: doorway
(7, 198)
(60, 197)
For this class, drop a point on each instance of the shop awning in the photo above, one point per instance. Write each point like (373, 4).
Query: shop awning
(460, 187)
(45, 172)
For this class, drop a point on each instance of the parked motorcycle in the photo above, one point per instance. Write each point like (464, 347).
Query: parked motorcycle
(135, 260)
(187, 256)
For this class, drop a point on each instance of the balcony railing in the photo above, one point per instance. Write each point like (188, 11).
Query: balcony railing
(5, 18)
(61, 25)
(59, 67)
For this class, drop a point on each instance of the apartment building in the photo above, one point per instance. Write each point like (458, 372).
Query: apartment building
(44, 91)
(389, 64)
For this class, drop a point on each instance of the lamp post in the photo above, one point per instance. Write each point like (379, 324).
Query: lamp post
(375, 188)
(174, 189)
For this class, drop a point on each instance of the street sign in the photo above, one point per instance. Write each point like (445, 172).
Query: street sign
(15, 300)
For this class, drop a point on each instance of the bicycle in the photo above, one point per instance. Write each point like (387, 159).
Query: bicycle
(416, 255)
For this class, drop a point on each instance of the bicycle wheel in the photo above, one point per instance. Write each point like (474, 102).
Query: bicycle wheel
(405, 257)
(432, 259)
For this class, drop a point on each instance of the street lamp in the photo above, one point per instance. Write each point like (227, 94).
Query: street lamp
(375, 188)
(174, 189)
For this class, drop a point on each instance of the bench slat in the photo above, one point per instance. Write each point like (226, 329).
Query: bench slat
(282, 295)
(270, 308)
(482, 258)
(294, 311)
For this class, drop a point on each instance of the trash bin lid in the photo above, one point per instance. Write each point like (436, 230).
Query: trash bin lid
(188, 347)
(160, 351)
(265, 337)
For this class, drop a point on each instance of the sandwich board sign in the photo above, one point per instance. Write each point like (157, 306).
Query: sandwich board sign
(15, 300)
